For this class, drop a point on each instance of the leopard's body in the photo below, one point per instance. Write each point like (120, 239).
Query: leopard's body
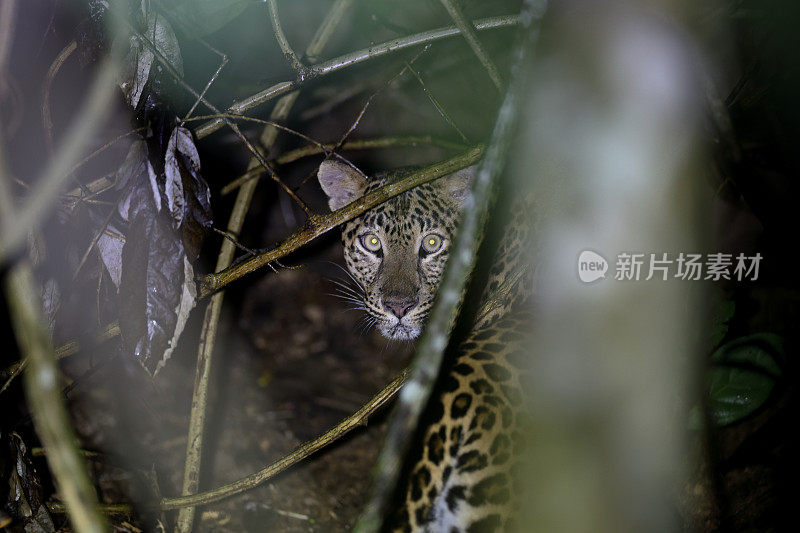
(461, 477)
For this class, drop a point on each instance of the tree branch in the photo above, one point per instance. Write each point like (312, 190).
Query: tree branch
(361, 144)
(253, 480)
(324, 223)
(288, 53)
(68, 348)
(470, 35)
(348, 60)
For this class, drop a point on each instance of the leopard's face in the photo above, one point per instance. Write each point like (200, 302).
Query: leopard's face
(397, 251)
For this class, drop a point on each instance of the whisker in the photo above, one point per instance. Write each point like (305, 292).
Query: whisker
(349, 294)
(349, 275)
(345, 297)
(341, 284)
(367, 325)
(348, 280)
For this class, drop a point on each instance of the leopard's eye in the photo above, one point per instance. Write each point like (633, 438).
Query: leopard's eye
(371, 242)
(431, 243)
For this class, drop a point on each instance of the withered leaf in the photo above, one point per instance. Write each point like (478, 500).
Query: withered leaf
(139, 60)
(24, 502)
(110, 246)
(152, 279)
(187, 194)
(168, 208)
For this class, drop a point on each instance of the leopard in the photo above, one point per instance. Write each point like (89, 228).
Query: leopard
(460, 478)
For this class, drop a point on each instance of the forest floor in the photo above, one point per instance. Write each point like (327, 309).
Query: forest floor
(291, 362)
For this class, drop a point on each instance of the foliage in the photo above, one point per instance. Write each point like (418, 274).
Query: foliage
(743, 374)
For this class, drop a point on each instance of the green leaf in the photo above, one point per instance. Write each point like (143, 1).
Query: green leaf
(759, 350)
(720, 315)
(744, 373)
(203, 17)
(736, 393)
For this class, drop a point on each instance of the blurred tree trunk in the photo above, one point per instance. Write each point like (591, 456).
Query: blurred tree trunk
(610, 148)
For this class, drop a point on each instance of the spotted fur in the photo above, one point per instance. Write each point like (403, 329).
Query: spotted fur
(460, 480)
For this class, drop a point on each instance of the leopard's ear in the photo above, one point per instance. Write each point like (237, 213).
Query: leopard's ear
(458, 184)
(342, 183)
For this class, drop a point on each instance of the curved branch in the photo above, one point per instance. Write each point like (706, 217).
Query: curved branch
(65, 350)
(324, 223)
(283, 42)
(47, 118)
(348, 60)
(468, 31)
(361, 144)
(253, 480)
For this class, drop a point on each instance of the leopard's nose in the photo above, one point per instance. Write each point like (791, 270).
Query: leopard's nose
(400, 306)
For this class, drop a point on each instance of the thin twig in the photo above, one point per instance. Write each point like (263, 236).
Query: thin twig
(235, 241)
(213, 282)
(255, 120)
(47, 118)
(349, 60)
(65, 350)
(437, 105)
(105, 508)
(94, 187)
(93, 243)
(222, 63)
(276, 125)
(178, 22)
(288, 53)
(361, 144)
(38, 451)
(471, 36)
(358, 418)
(361, 113)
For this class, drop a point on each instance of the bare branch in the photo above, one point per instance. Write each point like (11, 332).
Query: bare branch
(348, 60)
(437, 105)
(65, 350)
(358, 418)
(47, 119)
(361, 144)
(222, 63)
(288, 53)
(468, 31)
(213, 282)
